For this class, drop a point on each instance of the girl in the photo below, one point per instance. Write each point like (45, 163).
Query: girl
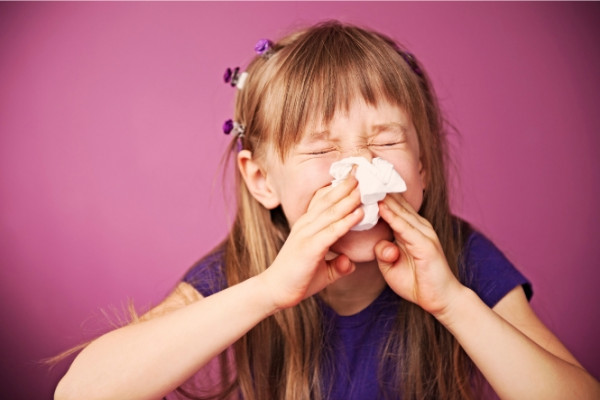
(295, 305)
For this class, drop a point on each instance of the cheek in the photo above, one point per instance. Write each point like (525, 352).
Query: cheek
(414, 198)
(301, 186)
(314, 176)
(415, 183)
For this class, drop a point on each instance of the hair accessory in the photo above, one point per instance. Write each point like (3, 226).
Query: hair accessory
(411, 60)
(264, 47)
(228, 75)
(230, 126)
(238, 129)
(241, 80)
(235, 78)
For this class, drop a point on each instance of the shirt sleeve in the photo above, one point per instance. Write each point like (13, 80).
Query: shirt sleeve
(207, 275)
(490, 274)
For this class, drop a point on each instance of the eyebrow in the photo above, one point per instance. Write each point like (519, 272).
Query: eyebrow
(319, 134)
(375, 129)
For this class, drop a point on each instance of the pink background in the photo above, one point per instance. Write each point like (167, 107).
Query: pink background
(110, 143)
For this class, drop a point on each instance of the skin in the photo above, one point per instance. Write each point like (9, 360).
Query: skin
(516, 353)
(302, 180)
(364, 131)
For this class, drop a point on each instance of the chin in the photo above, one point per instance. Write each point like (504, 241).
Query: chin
(359, 245)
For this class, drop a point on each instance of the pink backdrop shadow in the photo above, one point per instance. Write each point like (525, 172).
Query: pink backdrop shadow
(110, 143)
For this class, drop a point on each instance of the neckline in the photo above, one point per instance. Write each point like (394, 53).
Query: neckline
(383, 300)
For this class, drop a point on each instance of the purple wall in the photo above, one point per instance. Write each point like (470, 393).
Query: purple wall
(110, 143)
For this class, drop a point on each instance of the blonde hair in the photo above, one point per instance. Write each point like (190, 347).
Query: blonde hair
(310, 76)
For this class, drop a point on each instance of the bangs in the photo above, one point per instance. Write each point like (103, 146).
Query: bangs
(324, 72)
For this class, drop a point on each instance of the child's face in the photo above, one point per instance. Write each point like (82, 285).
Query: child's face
(384, 131)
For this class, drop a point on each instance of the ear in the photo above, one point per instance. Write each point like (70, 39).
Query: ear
(257, 181)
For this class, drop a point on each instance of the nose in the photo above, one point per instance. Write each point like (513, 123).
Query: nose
(361, 151)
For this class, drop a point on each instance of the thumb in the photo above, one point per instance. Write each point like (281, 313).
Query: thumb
(386, 253)
(339, 267)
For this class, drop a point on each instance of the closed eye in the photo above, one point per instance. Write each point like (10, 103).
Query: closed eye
(388, 135)
(387, 144)
(321, 151)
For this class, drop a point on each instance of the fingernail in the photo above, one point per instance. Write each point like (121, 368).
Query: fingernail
(388, 252)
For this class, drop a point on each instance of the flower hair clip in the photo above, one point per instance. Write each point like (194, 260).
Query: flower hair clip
(412, 62)
(235, 78)
(264, 47)
(230, 126)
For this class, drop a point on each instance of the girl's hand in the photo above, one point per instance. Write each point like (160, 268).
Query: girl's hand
(300, 269)
(414, 265)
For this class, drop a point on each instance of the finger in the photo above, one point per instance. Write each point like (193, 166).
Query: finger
(330, 272)
(403, 229)
(341, 266)
(337, 268)
(329, 232)
(329, 195)
(386, 252)
(398, 204)
(317, 220)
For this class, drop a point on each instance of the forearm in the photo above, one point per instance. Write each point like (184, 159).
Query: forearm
(151, 358)
(514, 365)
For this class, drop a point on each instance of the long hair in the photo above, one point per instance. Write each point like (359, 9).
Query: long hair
(311, 75)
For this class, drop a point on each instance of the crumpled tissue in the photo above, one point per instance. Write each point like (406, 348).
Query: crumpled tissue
(375, 180)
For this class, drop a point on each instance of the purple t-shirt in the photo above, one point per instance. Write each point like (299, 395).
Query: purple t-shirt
(355, 340)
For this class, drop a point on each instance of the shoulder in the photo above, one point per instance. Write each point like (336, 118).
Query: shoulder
(204, 278)
(207, 275)
(489, 272)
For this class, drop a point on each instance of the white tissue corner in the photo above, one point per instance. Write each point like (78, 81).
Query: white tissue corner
(375, 180)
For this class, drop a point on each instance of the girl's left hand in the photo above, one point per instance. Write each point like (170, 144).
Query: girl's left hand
(414, 265)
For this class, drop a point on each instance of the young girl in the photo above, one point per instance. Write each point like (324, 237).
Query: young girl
(296, 305)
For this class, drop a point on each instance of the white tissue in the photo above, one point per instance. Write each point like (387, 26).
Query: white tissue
(375, 180)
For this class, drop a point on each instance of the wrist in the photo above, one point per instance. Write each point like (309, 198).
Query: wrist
(267, 287)
(456, 307)
(263, 294)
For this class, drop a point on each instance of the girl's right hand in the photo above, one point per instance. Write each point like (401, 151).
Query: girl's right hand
(300, 269)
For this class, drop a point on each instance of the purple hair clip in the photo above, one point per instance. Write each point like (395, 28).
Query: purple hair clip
(228, 75)
(234, 77)
(264, 47)
(412, 62)
(230, 126)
